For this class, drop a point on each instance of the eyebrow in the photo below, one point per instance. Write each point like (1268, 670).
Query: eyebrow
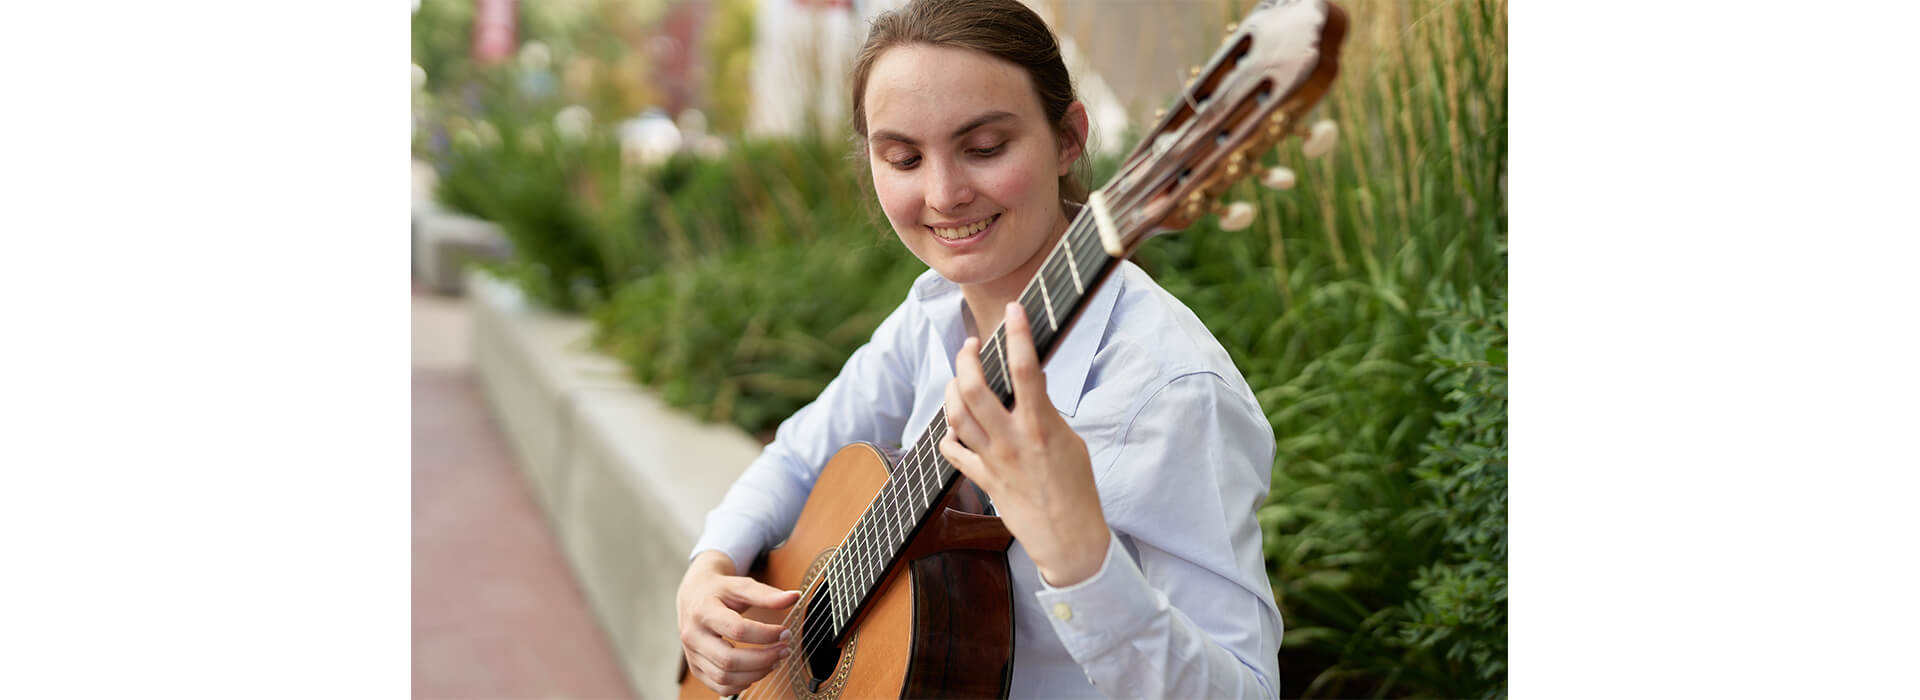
(975, 123)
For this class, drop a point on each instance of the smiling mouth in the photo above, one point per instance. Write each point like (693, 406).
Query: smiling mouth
(954, 234)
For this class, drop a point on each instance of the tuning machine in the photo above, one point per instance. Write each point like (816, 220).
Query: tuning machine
(1279, 177)
(1235, 216)
(1320, 139)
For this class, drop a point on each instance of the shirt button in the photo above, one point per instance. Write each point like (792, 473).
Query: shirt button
(1060, 610)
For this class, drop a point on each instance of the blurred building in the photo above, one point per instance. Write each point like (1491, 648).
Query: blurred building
(1127, 58)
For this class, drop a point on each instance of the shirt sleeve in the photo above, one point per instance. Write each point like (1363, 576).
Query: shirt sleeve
(870, 400)
(1188, 612)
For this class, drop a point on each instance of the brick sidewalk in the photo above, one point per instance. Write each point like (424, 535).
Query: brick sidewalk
(497, 612)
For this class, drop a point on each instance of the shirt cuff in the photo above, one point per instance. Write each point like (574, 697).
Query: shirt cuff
(1094, 615)
(734, 537)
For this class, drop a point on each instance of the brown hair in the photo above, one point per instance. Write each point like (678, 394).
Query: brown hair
(1003, 29)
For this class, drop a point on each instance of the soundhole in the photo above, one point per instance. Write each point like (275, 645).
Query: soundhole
(827, 664)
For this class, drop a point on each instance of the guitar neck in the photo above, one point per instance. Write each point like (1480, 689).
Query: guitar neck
(1053, 301)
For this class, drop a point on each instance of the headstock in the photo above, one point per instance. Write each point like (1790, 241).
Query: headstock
(1272, 68)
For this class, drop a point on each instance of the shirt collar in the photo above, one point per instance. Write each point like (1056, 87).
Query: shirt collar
(1072, 359)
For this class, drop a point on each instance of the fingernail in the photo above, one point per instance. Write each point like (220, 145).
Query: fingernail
(785, 652)
(786, 635)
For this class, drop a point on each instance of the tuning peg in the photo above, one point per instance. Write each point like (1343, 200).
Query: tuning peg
(1320, 141)
(1278, 178)
(1236, 216)
(1159, 112)
(1193, 72)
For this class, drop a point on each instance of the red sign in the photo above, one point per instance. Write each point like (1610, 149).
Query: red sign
(493, 22)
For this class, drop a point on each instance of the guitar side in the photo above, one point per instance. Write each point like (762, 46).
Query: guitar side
(944, 629)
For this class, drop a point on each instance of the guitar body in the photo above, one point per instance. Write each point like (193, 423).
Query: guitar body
(940, 624)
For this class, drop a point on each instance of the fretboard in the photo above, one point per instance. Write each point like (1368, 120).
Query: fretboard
(1068, 277)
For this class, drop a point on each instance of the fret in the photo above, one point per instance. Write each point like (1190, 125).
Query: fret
(834, 594)
(925, 476)
(1092, 246)
(898, 501)
(891, 525)
(1050, 278)
(1005, 376)
(1053, 322)
(847, 598)
(936, 433)
(868, 556)
(861, 576)
(850, 578)
(1073, 268)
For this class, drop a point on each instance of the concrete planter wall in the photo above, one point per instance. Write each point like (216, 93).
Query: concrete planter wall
(625, 481)
(444, 242)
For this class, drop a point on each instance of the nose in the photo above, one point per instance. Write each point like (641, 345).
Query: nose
(948, 187)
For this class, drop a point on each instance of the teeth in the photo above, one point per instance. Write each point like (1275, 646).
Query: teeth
(964, 231)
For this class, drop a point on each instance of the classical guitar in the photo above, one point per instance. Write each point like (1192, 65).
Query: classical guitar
(904, 584)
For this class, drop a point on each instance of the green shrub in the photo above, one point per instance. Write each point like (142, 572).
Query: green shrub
(510, 165)
(767, 271)
(442, 36)
(1460, 608)
(750, 335)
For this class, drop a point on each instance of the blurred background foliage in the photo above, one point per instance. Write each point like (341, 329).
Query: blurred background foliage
(1367, 306)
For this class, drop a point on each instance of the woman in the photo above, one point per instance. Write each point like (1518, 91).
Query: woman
(1128, 471)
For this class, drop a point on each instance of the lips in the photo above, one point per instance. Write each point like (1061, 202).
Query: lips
(963, 234)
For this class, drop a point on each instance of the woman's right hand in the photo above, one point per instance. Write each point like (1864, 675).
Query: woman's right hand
(709, 603)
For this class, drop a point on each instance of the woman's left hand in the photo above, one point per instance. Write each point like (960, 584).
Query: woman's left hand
(1027, 459)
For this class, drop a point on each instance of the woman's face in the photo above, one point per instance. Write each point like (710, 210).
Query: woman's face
(964, 162)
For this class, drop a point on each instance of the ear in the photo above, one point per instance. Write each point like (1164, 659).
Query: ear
(1070, 149)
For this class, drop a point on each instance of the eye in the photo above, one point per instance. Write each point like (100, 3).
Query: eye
(990, 151)
(904, 163)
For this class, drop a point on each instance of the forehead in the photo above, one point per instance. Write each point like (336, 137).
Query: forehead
(921, 90)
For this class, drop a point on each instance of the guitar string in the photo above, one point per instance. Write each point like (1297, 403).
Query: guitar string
(916, 460)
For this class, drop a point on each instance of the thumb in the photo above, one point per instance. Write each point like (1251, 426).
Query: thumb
(750, 593)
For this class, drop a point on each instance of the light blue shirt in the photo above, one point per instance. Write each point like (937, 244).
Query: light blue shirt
(1182, 456)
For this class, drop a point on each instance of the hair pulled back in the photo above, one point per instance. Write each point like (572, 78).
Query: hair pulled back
(1003, 29)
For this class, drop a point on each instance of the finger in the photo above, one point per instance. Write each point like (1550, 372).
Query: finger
(725, 622)
(752, 662)
(703, 670)
(740, 593)
(960, 423)
(723, 681)
(963, 459)
(1029, 382)
(724, 657)
(983, 406)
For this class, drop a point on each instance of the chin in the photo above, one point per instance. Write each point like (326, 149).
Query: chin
(963, 274)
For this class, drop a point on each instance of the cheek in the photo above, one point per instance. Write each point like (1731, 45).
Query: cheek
(1014, 181)
(898, 198)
